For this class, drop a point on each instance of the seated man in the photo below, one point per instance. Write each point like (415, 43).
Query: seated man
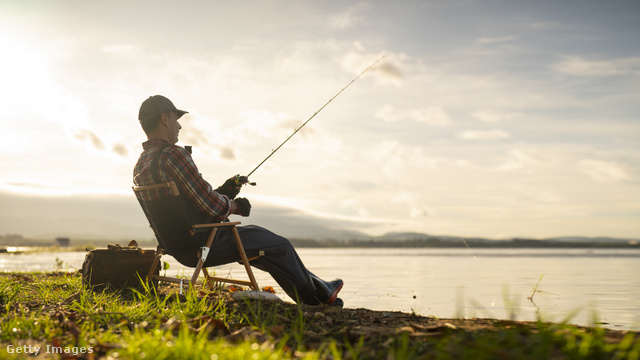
(163, 161)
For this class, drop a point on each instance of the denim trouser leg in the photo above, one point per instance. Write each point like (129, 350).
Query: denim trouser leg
(280, 260)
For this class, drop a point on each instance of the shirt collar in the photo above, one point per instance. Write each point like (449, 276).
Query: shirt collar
(154, 143)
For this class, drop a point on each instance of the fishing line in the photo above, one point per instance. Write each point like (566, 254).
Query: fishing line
(241, 180)
(469, 247)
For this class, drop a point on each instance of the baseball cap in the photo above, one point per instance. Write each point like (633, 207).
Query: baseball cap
(156, 105)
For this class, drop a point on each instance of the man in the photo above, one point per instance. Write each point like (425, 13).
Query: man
(163, 161)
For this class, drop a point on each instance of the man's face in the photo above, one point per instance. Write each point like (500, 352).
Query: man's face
(173, 126)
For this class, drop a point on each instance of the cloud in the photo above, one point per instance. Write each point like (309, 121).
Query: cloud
(603, 171)
(388, 67)
(578, 66)
(84, 134)
(519, 160)
(487, 135)
(107, 144)
(413, 203)
(432, 115)
(194, 135)
(120, 49)
(227, 153)
(263, 124)
(355, 205)
(492, 116)
(348, 18)
(396, 158)
(494, 40)
(544, 196)
(120, 149)
(548, 25)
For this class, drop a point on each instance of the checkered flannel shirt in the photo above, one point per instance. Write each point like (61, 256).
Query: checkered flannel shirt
(175, 163)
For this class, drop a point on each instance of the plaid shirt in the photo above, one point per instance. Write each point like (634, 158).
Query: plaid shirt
(175, 163)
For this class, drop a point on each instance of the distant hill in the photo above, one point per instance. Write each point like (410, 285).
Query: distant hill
(574, 239)
(412, 236)
(418, 240)
(351, 239)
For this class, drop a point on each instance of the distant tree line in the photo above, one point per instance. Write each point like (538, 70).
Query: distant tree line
(435, 242)
(452, 243)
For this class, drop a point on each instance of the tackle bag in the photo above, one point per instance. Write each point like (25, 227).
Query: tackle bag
(117, 267)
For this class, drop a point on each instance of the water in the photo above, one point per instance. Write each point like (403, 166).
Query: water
(585, 286)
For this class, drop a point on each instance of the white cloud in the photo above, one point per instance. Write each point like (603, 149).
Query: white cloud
(493, 40)
(388, 69)
(548, 25)
(540, 195)
(486, 135)
(519, 160)
(64, 48)
(492, 116)
(120, 49)
(90, 136)
(348, 18)
(413, 204)
(603, 171)
(396, 158)
(355, 205)
(578, 66)
(432, 115)
(120, 149)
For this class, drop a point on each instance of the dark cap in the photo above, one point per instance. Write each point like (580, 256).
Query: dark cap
(155, 106)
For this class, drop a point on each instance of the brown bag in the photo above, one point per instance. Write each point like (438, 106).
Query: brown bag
(117, 267)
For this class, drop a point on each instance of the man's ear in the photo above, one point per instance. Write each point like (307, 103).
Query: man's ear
(164, 119)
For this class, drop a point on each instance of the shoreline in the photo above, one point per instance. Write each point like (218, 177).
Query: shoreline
(55, 309)
(552, 305)
(21, 249)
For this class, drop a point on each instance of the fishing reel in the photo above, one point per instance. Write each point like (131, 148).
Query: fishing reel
(243, 180)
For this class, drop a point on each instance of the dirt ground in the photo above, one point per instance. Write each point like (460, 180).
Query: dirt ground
(375, 329)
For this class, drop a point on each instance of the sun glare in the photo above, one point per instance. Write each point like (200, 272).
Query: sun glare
(23, 70)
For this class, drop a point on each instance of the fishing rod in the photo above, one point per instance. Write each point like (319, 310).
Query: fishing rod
(241, 180)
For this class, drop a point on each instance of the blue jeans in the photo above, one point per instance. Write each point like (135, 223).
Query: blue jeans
(280, 260)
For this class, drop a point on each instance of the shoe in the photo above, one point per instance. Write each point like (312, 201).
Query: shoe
(338, 303)
(334, 288)
(327, 291)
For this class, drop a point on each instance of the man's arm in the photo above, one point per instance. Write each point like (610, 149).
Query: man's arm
(182, 168)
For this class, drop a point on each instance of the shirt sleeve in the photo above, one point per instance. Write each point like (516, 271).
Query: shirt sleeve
(181, 167)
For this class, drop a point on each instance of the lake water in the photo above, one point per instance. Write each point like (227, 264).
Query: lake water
(585, 286)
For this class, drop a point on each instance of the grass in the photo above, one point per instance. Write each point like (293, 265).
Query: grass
(55, 313)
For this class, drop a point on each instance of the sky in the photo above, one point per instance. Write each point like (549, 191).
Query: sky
(494, 118)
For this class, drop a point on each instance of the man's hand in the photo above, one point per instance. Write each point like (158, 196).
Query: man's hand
(229, 188)
(244, 206)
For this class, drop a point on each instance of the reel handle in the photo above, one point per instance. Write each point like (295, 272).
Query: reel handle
(242, 180)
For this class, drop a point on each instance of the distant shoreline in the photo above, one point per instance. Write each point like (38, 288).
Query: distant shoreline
(34, 245)
(486, 244)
